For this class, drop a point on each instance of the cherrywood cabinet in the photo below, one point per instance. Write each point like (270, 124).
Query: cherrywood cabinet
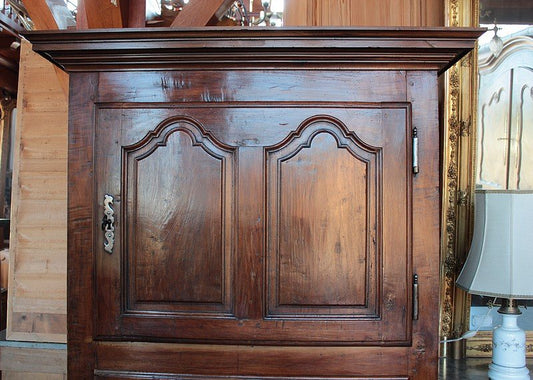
(263, 213)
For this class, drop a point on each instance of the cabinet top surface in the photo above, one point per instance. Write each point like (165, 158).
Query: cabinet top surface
(255, 48)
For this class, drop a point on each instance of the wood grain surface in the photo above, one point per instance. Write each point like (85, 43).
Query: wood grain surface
(268, 223)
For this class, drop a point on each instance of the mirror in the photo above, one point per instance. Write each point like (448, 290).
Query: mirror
(504, 152)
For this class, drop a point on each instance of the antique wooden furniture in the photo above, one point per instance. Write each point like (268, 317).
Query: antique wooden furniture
(253, 202)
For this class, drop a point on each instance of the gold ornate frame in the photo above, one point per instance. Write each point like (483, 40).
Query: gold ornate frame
(459, 140)
(458, 185)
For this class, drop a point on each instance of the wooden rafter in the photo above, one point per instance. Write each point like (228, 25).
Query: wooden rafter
(200, 12)
(81, 17)
(136, 13)
(40, 14)
(105, 13)
(127, 14)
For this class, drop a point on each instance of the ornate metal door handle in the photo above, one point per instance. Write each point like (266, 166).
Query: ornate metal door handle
(108, 224)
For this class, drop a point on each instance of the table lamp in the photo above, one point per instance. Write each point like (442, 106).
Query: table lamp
(500, 264)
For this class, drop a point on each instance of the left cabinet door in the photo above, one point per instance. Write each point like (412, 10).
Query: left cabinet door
(174, 207)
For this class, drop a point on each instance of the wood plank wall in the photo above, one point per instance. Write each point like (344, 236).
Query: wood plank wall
(38, 242)
(364, 13)
(23, 363)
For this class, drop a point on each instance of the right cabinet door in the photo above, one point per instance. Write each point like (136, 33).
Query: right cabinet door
(338, 228)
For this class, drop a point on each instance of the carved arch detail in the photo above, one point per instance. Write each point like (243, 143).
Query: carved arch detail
(319, 170)
(192, 127)
(163, 201)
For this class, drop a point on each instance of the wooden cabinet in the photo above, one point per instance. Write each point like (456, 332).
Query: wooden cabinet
(262, 212)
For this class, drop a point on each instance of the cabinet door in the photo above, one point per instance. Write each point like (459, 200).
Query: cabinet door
(295, 229)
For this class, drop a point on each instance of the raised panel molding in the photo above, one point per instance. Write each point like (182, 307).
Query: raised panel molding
(175, 178)
(323, 191)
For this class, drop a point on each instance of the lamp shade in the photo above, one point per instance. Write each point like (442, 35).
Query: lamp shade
(500, 261)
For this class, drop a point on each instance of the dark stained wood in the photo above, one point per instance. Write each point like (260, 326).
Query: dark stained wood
(275, 362)
(361, 86)
(329, 172)
(9, 57)
(8, 80)
(168, 208)
(426, 196)
(251, 214)
(268, 224)
(80, 260)
(169, 214)
(114, 375)
(325, 195)
(287, 48)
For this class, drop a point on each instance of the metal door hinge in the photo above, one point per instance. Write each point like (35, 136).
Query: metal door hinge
(415, 151)
(415, 297)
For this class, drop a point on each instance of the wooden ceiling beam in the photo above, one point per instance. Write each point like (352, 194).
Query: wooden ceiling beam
(40, 14)
(136, 13)
(200, 12)
(127, 14)
(81, 17)
(105, 13)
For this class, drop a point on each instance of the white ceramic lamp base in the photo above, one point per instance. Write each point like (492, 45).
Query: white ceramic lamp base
(509, 351)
